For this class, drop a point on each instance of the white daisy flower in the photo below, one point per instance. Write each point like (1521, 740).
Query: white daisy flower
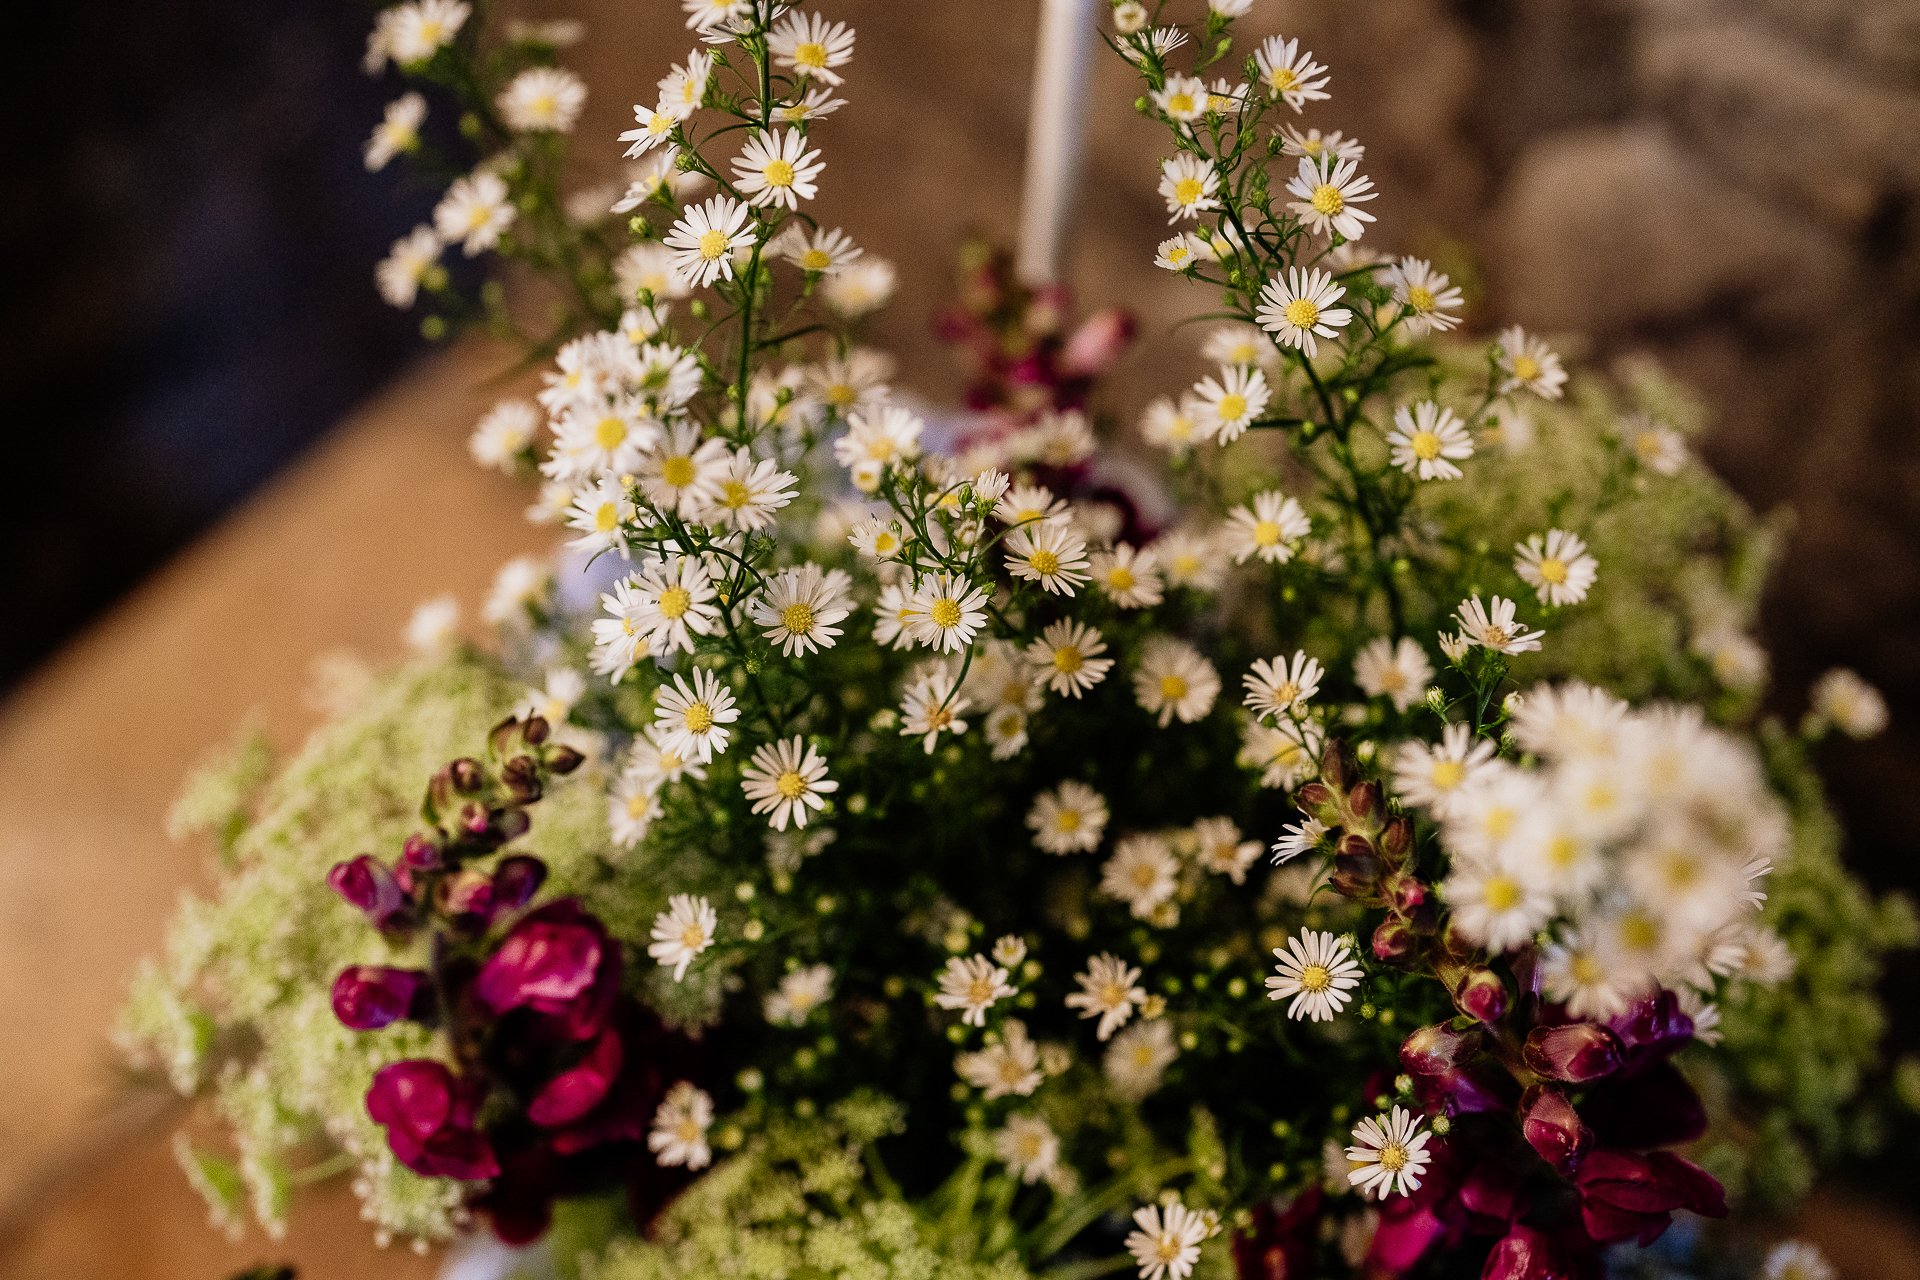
(398, 275)
(399, 131)
(946, 613)
(415, 32)
(672, 603)
(685, 473)
(715, 15)
(1267, 527)
(1225, 409)
(886, 435)
(1182, 252)
(609, 439)
(786, 779)
(434, 627)
(684, 89)
(1174, 680)
(631, 808)
(822, 253)
(1191, 558)
(1392, 1154)
(798, 610)
(1190, 184)
(1318, 971)
(683, 931)
(1129, 578)
(1129, 16)
(654, 126)
(1023, 504)
(692, 717)
(1226, 98)
(1006, 730)
(1240, 344)
(474, 212)
(1067, 654)
(1425, 438)
(1061, 439)
(1425, 296)
(1298, 306)
(542, 99)
(647, 269)
(1659, 448)
(1222, 851)
(777, 168)
(1167, 1246)
(1560, 572)
(931, 707)
(1843, 699)
(679, 1135)
(619, 642)
(1399, 670)
(1182, 99)
(807, 46)
(653, 765)
(1143, 873)
(1010, 1067)
(1290, 72)
(1282, 685)
(817, 103)
(1492, 626)
(1530, 363)
(1329, 188)
(1296, 838)
(877, 538)
(519, 589)
(891, 613)
(601, 514)
(1284, 753)
(668, 376)
(862, 288)
(798, 995)
(1433, 776)
(1574, 971)
(503, 436)
(1070, 819)
(1796, 1260)
(1158, 43)
(1495, 903)
(751, 491)
(1029, 1148)
(1109, 990)
(707, 235)
(973, 984)
(1311, 145)
(1138, 1058)
(1050, 554)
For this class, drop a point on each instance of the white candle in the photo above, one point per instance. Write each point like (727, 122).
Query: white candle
(1056, 134)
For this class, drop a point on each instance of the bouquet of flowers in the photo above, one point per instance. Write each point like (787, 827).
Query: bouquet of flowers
(893, 844)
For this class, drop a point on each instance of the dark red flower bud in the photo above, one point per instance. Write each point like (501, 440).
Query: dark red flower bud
(428, 1115)
(572, 1094)
(368, 884)
(368, 997)
(1393, 940)
(559, 961)
(1431, 1051)
(1577, 1052)
(521, 777)
(564, 759)
(468, 893)
(1364, 799)
(1336, 766)
(1097, 343)
(536, 730)
(1555, 1129)
(516, 880)
(1407, 894)
(1397, 839)
(510, 824)
(468, 777)
(1628, 1194)
(1314, 798)
(421, 852)
(1530, 1254)
(1481, 994)
(1356, 875)
(474, 818)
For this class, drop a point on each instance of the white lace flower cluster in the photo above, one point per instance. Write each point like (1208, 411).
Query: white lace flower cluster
(1637, 845)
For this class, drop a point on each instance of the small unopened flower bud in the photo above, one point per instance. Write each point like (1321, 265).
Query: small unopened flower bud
(368, 997)
(521, 777)
(420, 852)
(1393, 940)
(1436, 700)
(468, 777)
(564, 759)
(1482, 995)
(536, 730)
(1577, 1052)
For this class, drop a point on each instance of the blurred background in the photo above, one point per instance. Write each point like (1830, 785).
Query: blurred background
(1732, 186)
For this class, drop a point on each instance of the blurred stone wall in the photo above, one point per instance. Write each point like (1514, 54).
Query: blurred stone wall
(1729, 185)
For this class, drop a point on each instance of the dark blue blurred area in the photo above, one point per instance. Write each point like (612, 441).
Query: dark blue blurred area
(188, 237)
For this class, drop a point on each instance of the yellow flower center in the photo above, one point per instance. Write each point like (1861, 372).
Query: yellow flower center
(1502, 893)
(1173, 688)
(1188, 190)
(1448, 774)
(795, 113)
(1526, 368)
(610, 434)
(699, 717)
(678, 472)
(840, 395)
(1067, 659)
(1219, 102)
(659, 122)
(478, 216)
(1426, 446)
(669, 762)
(545, 105)
(945, 613)
(980, 991)
(1316, 977)
(1186, 566)
(1031, 1144)
(637, 806)
(816, 260)
(1067, 819)
(1145, 874)
(1286, 693)
(1554, 570)
(432, 31)
(1499, 822)
(1327, 199)
(675, 601)
(606, 517)
(1266, 533)
(1393, 1157)
(1283, 78)
(1180, 104)
(1178, 254)
(798, 618)
(1302, 313)
(736, 495)
(810, 55)
(713, 245)
(1241, 353)
(790, 785)
(1680, 870)
(1231, 407)
(693, 936)
(880, 448)
(1044, 562)
(1420, 298)
(1312, 147)
(1562, 851)
(778, 173)
(1639, 932)
(1600, 797)
(1585, 969)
